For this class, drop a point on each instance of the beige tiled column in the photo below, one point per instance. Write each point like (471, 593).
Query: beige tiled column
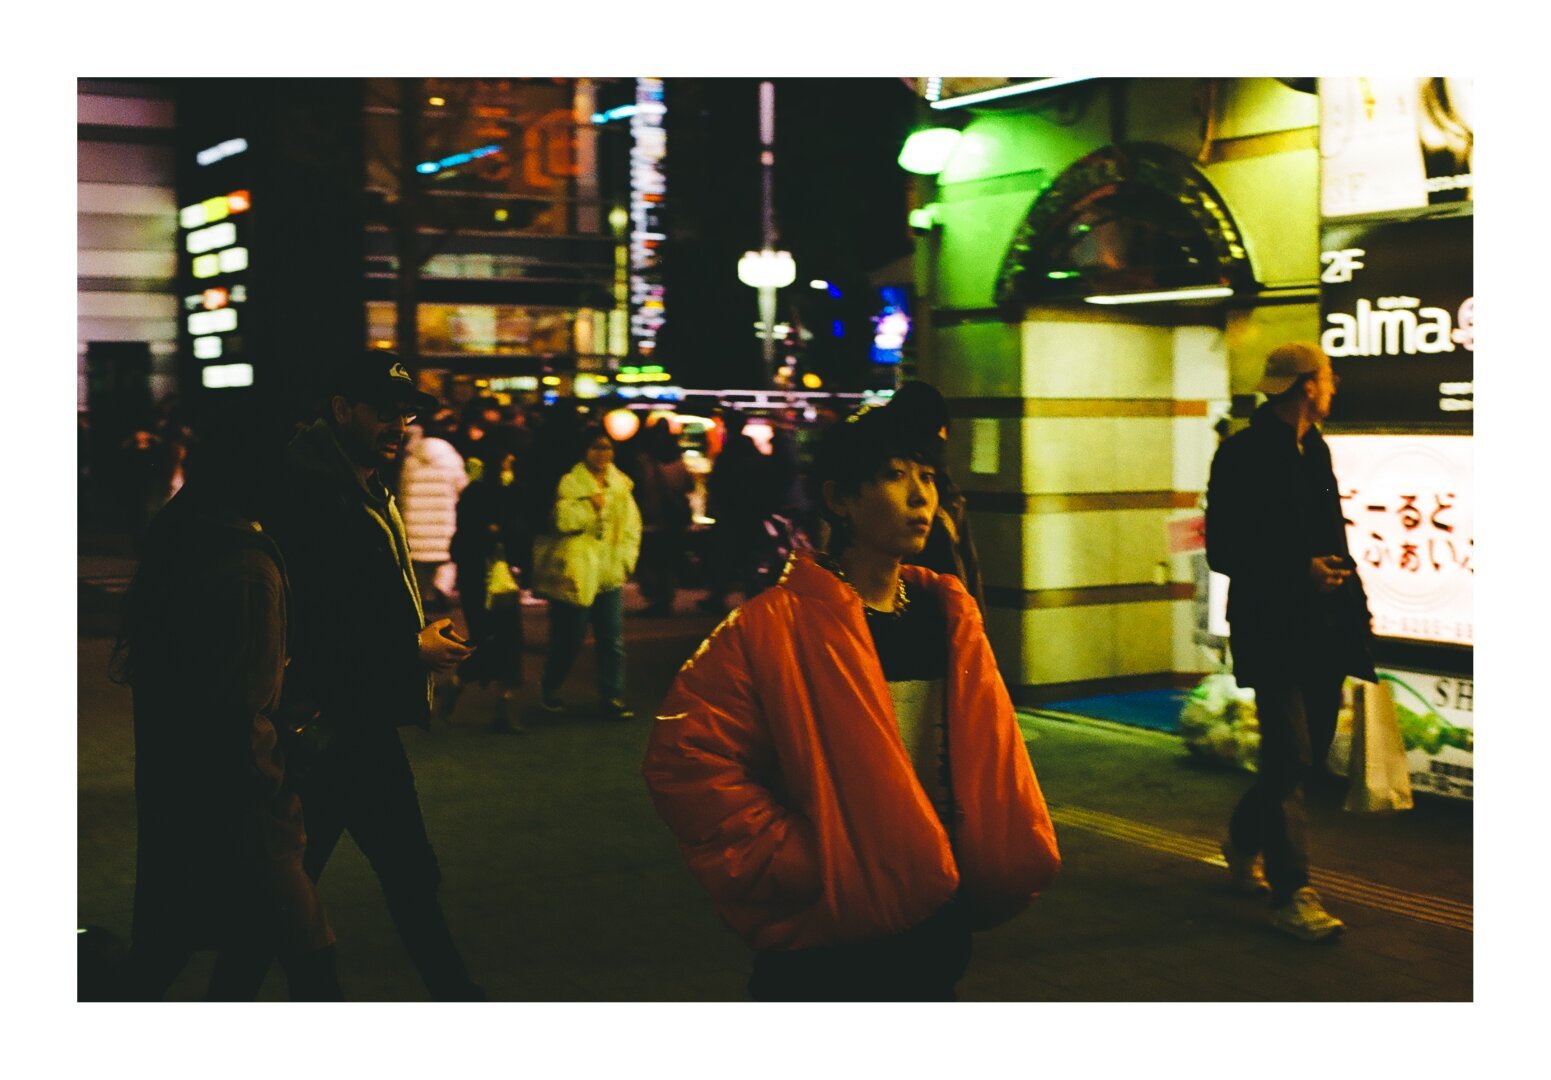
(1078, 440)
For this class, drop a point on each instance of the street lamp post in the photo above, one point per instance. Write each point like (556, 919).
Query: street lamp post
(767, 269)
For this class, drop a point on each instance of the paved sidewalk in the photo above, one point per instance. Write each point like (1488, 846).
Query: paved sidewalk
(563, 886)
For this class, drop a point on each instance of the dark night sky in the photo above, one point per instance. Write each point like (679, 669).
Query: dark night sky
(840, 209)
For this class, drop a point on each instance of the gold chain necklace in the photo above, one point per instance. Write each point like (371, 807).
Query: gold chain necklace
(901, 598)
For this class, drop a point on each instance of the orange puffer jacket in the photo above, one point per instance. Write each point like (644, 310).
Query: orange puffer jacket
(777, 762)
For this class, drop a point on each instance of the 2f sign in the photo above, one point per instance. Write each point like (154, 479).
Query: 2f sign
(1341, 265)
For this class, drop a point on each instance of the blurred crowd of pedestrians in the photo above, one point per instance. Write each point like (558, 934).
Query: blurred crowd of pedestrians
(313, 587)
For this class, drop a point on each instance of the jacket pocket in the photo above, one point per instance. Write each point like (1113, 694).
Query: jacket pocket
(795, 877)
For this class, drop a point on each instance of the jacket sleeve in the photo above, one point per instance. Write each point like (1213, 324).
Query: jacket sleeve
(1005, 842)
(573, 513)
(707, 764)
(630, 535)
(1224, 539)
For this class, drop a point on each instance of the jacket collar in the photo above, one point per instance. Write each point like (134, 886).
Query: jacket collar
(805, 577)
(1265, 421)
(317, 450)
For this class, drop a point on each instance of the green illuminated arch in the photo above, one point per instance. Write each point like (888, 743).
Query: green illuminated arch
(1132, 217)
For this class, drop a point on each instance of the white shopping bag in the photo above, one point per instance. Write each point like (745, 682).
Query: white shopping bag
(1380, 777)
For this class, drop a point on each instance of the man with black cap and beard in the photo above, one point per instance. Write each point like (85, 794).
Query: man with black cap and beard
(362, 655)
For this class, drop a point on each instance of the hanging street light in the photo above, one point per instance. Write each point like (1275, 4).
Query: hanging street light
(767, 269)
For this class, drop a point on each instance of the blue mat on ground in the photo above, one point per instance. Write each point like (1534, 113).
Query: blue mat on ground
(1154, 709)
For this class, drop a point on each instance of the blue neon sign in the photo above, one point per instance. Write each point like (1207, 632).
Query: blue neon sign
(429, 167)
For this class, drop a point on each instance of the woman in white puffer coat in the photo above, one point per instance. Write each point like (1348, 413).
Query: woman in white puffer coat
(430, 480)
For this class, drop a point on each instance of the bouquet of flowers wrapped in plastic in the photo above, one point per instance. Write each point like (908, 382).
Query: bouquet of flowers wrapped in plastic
(1219, 722)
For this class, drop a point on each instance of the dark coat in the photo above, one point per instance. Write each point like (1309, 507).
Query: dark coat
(355, 650)
(1269, 511)
(219, 831)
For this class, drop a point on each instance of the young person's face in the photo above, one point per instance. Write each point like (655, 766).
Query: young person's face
(600, 454)
(892, 513)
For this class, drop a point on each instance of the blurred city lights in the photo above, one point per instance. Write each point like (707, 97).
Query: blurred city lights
(621, 424)
(226, 149)
(222, 376)
(767, 269)
(428, 167)
(216, 236)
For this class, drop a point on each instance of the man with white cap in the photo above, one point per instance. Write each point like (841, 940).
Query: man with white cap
(1298, 617)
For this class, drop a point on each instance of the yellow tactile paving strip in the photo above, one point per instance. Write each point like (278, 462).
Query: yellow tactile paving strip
(1336, 886)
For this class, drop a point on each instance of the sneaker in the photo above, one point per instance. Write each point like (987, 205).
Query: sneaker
(551, 702)
(617, 710)
(1305, 917)
(508, 720)
(1245, 872)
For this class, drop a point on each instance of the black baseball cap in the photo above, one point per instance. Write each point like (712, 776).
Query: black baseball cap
(378, 377)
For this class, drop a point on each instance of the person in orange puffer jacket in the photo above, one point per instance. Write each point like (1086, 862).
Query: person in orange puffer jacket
(839, 760)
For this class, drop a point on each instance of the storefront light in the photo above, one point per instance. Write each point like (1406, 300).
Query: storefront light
(215, 208)
(214, 298)
(192, 217)
(207, 265)
(1011, 90)
(220, 321)
(1210, 292)
(239, 201)
(216, 236)
(207, 348)
(223, 376)
(926, 152)
(233, 259)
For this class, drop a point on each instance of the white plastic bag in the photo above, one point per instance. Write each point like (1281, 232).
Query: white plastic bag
(1380, 777)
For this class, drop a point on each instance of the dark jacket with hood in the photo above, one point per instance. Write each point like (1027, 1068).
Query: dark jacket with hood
(356, 619)
(1269, 510)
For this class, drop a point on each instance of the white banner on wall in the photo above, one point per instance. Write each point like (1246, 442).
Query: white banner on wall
(1394, 144)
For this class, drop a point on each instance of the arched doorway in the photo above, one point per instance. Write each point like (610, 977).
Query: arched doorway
(1135, 217)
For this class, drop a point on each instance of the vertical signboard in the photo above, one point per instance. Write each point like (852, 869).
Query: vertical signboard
(215, 227)
(648, 187)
